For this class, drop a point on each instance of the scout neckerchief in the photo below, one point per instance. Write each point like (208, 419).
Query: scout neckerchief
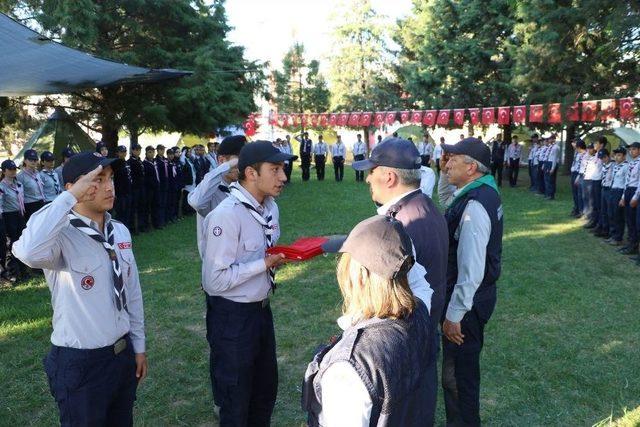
(118, 284)
(54, 177)
(34, 176)
(483, 180)
(266, 224)
(17, 187)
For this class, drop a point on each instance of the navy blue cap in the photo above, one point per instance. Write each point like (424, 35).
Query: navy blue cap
(31, 154)
(392, 152)
(635, 145)
(231, 145)
(261, 151)
(603, 153)
(100, 145)
(620, 150)
(82, 164)
(590, 145)
(121, 149)
(68, 152)
(136, 147)
(471, 147)
(580, 143)
(8, 164)
(47, 156)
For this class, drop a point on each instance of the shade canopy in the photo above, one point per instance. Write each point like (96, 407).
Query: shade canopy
(32, 64)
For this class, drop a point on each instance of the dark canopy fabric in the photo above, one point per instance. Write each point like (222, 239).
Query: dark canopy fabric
(31, 64)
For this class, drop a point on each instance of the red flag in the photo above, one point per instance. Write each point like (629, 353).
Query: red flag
(626, 108)
(250, 126)
(416, 117)
(536, 113)
(488, 115)
(295, 119)
(314, 120)
(343, 119)
(443, 117)
(365, 119)
(608, 109)
(573, 112)
(520, 114)
(458, 116)
(354, 120)
(304, 120)
(333, 119)
(378, 119)
(324, 120)
(273, 118)
(554, 114)
(589, 111)
(430, 117)
(474, 115)
(283, 120)
(404, 116)
(504, 115)
(390, 118)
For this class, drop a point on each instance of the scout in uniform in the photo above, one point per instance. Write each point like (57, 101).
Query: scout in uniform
(359, 153)
(151, 185)
(615, 211)
(513, 154)
(551, 168)
(338, 153)
(320, 152)
(137, 221)
(603, 228)
(13, 217)
(31, 184)
(97, 355)
(162, 166)
(288, 165)
(122, 183)
(578, 153)
(67, 153)
(188, 171)
(238, 277)
(630, 200)
(306, 149)
(532, 160)
(51, 187)
(425, 148)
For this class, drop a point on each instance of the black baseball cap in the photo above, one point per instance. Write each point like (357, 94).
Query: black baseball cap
(47, 156)
(83, 163)
(149, 148)
(100, 145)
(8, 164)
(580, 143)
(620, 150)
(392, 152)
(590, 145)
(31, 154)
(261, 151)
(121, 149)
(379, 243)
(603, 153)
(473, 148)
(136, 147)
(68, 153)
(231, 145)
(635, 145)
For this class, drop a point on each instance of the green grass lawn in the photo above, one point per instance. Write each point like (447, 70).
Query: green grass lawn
(562, 347)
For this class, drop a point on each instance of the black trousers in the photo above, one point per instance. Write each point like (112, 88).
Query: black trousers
(172, 205)
(93, 387)
(438, 166)
(496, 169)
(137, 220)
(288, 168)
(243, 365)
(186, 207)
(14, 223)
(550, 180)
(3, 246)
(514, 168)
(31, 208)
(424, 160)
(305, 162)
(630, 217)
(338, 168)
(159, 212)
(461, 367)
(575, 192)
(359, 174)
(320, 163)
(540, 178)
(122, 207)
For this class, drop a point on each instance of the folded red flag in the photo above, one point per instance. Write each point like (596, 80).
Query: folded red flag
(302, 249)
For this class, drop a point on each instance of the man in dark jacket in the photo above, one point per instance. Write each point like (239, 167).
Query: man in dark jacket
(162, 165)
(137, 220)
(151, 184)
(122, 186)
(497, 159)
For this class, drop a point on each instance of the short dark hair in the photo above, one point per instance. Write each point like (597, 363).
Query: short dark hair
(256, 166)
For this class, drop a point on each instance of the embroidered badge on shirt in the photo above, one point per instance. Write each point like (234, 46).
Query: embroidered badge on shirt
(87, 282)
(124, 245)
(217, 231)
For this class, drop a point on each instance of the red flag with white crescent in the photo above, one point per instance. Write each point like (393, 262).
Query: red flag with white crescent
(554, 113)
(314, 120)
(304, 119)
(504, 115)
(589, 111)
(608, 109)
(354, 120)
(488, 115)
(404, 116)
(343, 119)
(333, 119)
(626, 108)
(474, 115)
(429, 118)
(573, 112)
(250, 126)
(520, 114)
(458, 116)
(324, 120)
(416, 117)
(378, 119)
(295, 119)
(365, 119)
(443, 117)
(390, 117)
(283, 120)
(536, 113)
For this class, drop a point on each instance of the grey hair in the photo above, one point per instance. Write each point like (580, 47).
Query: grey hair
(479, 166)
(408, 177)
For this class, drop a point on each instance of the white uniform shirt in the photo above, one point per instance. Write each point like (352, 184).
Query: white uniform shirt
(554, 156)
(338, 150)
(437, 152)
(233, 265)
(359, 148)
(427, 180)
(532, 153)
(80, 277)
(593, 170)
(577, 158)
(514, 151)
(31, 185)
(49, 181)
(619, 175)
(583, 162)
(213, 160)
(320, 149)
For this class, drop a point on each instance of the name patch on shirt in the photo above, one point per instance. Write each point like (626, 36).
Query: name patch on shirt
(217, 231)
(124, 245)
(87, 282)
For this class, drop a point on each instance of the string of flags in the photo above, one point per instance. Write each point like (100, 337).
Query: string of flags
(553, 113)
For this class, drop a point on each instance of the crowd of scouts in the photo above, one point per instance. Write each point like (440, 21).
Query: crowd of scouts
(400, 274)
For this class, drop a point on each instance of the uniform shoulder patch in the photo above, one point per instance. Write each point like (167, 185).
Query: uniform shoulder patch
(124, 245)
(217, 231)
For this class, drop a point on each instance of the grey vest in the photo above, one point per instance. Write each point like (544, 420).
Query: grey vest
(391, 357)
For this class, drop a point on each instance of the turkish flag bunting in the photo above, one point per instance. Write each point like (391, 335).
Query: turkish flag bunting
(474, 115)
(626, 108)
(304, 119)
(589, 111)
(554, 113)
(283, 120)
(443, 117)
(404, 116)
(536, 113)
(250, 126)
(390, 118)
(573, 112)
(273, 118)
(520, 114)
(458, 116)
(333, 119)
(608, 109)
(314, 119)
(343, 119)
(430, 117)
(416, 117)
(324, 120)
(488, 115)
(504, 115)
(354, 120)
(378, 119)
(295, 119)
(365, 119)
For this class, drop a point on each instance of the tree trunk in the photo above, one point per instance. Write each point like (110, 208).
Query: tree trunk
(568, 148)
(133, 135)
(110, 125)
(506, 133)
(365, 134)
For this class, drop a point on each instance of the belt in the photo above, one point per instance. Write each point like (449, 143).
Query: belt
(111, 350)
(224, 302)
